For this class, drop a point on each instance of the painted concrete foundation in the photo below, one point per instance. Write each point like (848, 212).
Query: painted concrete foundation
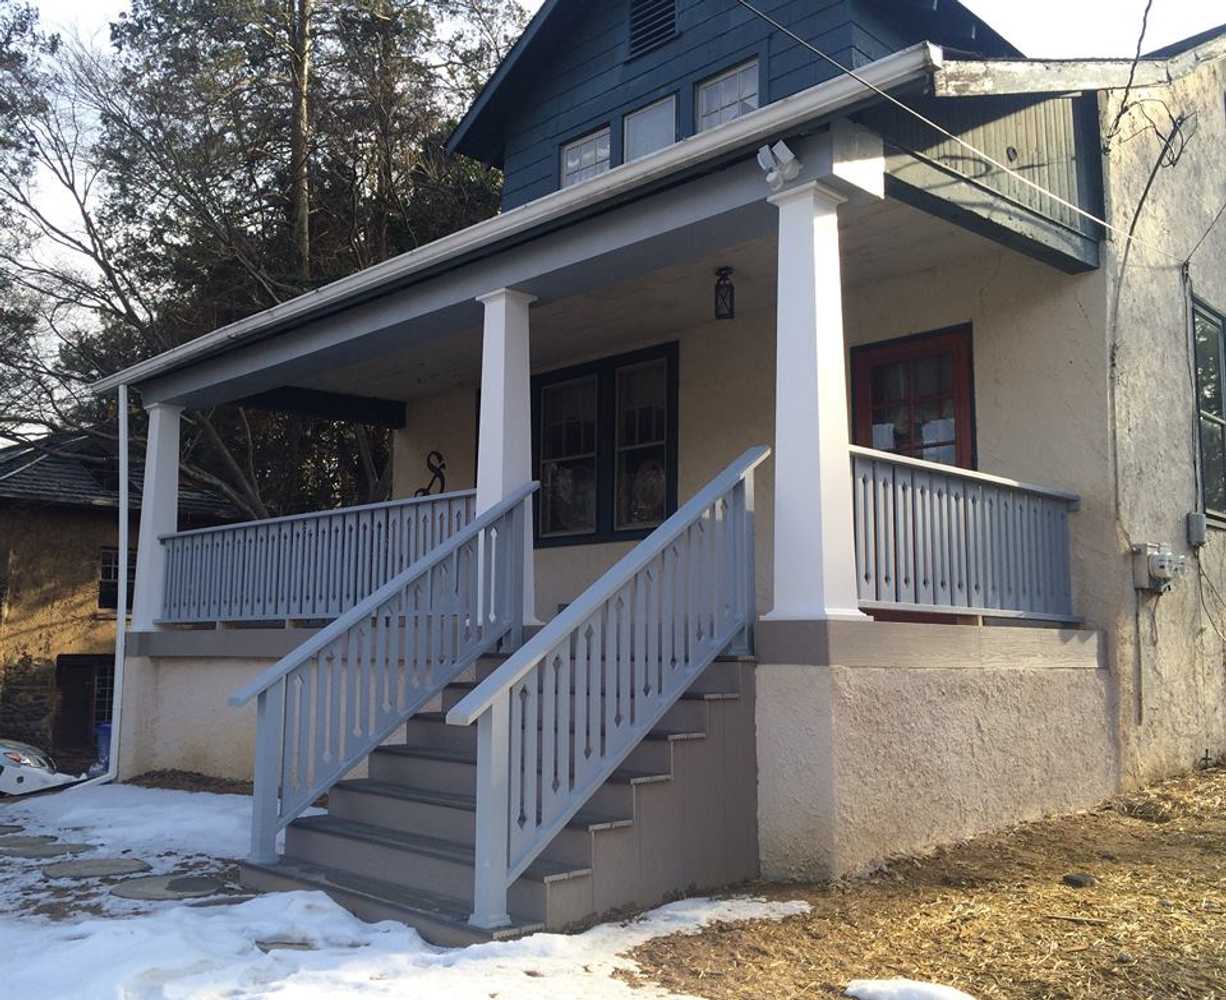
(898, 737)
(176, 715)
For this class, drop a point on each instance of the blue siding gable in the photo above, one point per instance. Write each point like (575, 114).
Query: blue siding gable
(591, 83)
(572, 73)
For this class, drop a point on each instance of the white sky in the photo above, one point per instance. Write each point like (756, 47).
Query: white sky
(1052, 28)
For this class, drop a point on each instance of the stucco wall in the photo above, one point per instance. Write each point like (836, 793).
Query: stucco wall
(445, 422)
(52, 604)
(1039, 384)
(177, 715)
(1167, 652)
(924, 735)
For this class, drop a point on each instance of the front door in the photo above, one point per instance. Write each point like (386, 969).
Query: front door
(914, 397)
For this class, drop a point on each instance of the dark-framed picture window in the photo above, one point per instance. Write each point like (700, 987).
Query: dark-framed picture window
(915, 396)
(604, 446)
(108, 578)
(1209, 334)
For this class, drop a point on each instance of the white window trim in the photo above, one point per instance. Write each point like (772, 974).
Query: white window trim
(582, 140)
(720, 78)
(669, 99)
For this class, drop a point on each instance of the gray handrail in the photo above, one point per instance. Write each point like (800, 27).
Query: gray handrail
(467, 711)
(563, 713)
(932, 537)
(973, 475)
(326, 636)
(304, 566)
(312, 514)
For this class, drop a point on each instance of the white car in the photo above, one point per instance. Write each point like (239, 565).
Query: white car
(25, 769)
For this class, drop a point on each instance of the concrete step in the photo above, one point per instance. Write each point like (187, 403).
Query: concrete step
(441, 920)
(452, 816)
(554, 893)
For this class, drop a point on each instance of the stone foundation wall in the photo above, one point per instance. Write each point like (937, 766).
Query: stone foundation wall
(27, 701)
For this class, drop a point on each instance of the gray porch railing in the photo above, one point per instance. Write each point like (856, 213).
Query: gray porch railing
(328, 704)
(563, 712)
(932, 537)
(307, 566)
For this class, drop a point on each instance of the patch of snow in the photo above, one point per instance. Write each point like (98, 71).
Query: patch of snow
(902, 989)
(176, 951)
(174, 831)
(186, 952)
(128, 817)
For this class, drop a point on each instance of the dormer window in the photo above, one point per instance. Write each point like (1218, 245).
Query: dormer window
(728, 96)
(651, 129)
(585, 158)
(652, 23)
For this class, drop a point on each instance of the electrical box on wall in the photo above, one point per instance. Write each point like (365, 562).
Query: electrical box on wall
(1155, 567)
(1198, 529)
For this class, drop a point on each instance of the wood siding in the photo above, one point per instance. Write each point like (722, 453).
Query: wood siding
(1052, 140)
(591, 82)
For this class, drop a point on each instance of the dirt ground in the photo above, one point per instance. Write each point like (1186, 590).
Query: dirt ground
(189, 781)
(994, 917)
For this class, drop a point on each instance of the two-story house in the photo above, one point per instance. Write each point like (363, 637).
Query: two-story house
(836, 406)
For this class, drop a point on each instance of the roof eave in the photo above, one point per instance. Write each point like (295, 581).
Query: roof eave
(457, 141)
(895, 70)
(977, 77)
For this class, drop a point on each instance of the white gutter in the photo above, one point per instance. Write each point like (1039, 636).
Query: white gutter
(905, 66)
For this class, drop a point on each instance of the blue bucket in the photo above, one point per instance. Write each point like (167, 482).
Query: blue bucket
(102, 743)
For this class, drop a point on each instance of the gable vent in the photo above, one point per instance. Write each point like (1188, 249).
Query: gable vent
(652, 23)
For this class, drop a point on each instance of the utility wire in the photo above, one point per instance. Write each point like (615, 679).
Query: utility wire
(1020, 178)
(1201, 242)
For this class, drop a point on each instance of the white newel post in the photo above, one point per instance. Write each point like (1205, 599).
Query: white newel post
(159, 512)
(815, 566)
(504, 456)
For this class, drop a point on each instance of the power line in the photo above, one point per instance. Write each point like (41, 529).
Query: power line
(1199, 243)
(1021, 178)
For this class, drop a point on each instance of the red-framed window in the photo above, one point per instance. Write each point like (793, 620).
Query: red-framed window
(915, 397)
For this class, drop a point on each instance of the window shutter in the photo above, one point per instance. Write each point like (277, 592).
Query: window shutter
(652, 23)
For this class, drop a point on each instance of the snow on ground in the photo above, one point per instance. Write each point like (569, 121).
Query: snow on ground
(129, 817)
(174, 832)
(199, 953)
(73, 941)
(902, 989)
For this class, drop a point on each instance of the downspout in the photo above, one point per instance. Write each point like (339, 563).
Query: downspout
(121, 609)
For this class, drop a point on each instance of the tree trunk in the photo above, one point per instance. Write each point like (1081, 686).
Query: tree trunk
(300, 76)
(385, 175)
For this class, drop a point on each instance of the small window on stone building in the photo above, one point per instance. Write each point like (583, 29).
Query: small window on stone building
(108, 578)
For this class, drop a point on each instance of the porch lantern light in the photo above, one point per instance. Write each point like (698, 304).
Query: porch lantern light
(725, 294)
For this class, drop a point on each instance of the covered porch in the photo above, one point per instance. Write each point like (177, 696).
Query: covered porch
(890, 358)
(642, 477)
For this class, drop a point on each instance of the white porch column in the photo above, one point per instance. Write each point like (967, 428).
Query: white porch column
(815, 566)
(159, 512)
(504, 455)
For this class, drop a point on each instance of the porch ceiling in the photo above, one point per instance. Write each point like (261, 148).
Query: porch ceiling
(880, 240)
